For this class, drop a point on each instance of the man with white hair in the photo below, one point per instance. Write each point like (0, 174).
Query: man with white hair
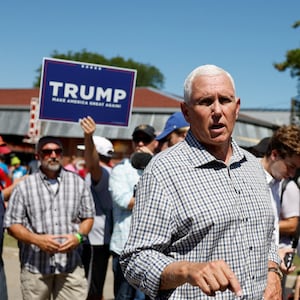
(203, 223)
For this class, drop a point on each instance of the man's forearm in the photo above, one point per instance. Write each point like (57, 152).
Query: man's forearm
(288, 226)
(21, 233)
(86, 226)
(173, 275)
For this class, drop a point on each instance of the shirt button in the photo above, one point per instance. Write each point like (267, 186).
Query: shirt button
(250, 248)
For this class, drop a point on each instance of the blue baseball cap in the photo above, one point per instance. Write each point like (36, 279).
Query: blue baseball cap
(174, 122)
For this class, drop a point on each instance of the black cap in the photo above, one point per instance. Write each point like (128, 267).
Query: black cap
(145, 129)
(261, 148)
(46, 140)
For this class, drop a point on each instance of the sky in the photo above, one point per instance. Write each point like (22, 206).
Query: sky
(245, 37)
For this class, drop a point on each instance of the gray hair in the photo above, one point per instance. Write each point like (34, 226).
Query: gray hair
(204, 70)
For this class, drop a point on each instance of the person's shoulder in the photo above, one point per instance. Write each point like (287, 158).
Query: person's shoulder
(2, 172)
(248, 155)
(124, 163)
(177, 154)
(248, 158)
(106, 171)
(26, 180)
(68, 173)
(292, 185)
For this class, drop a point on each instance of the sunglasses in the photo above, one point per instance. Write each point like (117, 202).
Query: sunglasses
(144, 139)
(49, 151)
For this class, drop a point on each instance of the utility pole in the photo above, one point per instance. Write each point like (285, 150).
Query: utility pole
(295, 110)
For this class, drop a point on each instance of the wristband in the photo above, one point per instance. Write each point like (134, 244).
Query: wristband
(277, 271)
(79, 237)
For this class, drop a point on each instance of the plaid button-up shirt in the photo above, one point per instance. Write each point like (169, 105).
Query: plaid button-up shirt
(37, 207)
(192, 207)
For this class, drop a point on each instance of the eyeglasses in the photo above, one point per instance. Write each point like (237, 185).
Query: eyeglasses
(144, 139)
(57, 151)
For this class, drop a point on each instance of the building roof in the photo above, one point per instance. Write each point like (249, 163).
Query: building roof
(150, 106)
(17, 97)
(144, 98)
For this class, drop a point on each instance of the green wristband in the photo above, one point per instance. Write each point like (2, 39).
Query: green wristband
(79, 237)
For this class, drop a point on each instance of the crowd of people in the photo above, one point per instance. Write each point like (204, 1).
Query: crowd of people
(188, 215)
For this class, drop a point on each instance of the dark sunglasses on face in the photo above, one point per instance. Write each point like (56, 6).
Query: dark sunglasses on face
(49, 151)
(144, 139)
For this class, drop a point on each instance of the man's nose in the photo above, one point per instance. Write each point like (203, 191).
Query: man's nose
(216, 107)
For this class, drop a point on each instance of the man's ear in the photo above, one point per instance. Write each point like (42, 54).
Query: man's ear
(274, 155)
(238, 105)
(185, 111)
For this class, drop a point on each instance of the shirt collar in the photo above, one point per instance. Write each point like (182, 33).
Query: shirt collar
(200, 156)
(44, 176)
(270, 179)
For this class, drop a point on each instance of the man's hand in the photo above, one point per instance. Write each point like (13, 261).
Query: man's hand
(57, 243)
(209, 277)
(48, 243)
(69, 242)
(144, 149)
(88, 125)
(214, 276)
(282, 252)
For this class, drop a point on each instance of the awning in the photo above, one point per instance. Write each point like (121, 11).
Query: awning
(248, 131)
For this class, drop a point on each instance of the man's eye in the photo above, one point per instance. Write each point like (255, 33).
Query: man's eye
(224, 100)
(205, 102)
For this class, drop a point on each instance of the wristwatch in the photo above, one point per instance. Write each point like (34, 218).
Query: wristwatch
(277, 271)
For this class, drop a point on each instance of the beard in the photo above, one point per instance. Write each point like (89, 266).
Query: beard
(51, 165)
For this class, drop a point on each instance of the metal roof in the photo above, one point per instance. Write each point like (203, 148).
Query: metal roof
(248, 131)
(150, 107)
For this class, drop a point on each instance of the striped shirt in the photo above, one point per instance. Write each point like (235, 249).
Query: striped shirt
(192, 207)
(40, 209)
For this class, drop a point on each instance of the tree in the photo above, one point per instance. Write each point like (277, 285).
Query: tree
(292, 61)
(147, 75)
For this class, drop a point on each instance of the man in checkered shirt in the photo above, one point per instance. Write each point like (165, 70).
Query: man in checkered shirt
(50, 213)
(203, 224)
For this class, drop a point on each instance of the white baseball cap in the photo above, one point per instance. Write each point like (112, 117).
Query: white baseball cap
(103, 146)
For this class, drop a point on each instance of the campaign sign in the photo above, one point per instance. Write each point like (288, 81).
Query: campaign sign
(72, 90)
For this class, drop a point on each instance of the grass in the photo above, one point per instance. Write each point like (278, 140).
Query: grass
(9, 241)
(297, 264)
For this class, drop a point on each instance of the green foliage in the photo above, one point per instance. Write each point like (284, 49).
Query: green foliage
(147, 75)
(292, 61)
(296, 24)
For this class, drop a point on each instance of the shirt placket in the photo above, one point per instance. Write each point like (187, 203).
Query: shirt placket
(244, 245)
(56, 258)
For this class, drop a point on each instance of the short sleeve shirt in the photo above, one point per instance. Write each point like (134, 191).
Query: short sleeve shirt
(37, 207)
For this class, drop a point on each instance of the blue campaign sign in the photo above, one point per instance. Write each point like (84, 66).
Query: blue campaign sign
(72, 90)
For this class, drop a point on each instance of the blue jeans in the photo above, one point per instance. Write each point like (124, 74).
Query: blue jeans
(122, 289)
